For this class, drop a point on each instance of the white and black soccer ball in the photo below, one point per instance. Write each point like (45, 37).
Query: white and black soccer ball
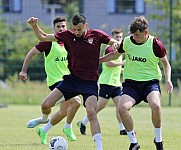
(58, 143)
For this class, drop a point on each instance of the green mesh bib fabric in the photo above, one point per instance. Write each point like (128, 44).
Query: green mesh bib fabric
(110, 75)
(56, 64)
(141, 63)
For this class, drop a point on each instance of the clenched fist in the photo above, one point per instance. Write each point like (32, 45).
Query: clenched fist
(32, 21)
(115, 46)
(23, 75)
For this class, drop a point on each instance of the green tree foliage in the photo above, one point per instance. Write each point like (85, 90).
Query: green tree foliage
(15, 41)
(3, 46)
(163, 7)
(72, 8)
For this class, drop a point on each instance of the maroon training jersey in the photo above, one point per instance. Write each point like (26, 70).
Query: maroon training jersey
(45, 47)
(109, 49)
(83, 53)
(158, 47)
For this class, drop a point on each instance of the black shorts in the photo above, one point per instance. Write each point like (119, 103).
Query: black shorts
(54, 85)
(109, 91)
(139, 90)
(72, 86)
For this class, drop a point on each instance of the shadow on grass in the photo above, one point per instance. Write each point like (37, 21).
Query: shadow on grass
(12, 145)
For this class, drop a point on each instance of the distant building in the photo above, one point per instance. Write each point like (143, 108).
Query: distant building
(101, 14)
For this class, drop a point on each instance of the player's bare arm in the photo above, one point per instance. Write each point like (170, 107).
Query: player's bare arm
(27, 60)
(41, 35)
(114, 63)
(167, 71)
(110, 56)
(115, 44)
(113, 55)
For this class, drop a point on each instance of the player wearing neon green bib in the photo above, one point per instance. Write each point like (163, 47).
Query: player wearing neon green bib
(56, 63)
(55, 57)
(110, 75)
(110, 84)
(142, 64)
(141, 75)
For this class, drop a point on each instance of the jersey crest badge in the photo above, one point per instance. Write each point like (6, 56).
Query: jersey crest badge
(90, 40)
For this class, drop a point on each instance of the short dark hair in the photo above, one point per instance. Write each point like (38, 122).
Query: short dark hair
(78, 19)
(116, 31)
(139, 23)
(58, 19)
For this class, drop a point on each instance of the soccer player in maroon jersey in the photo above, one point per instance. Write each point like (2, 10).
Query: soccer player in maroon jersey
(109, 84)
(83, 47)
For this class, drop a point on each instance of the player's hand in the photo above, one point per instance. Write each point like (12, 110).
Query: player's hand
(169, 86)
(32, 21)
(116, 46)
(23, 75)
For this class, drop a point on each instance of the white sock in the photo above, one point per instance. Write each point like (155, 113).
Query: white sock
(121, 126)
(85, 121)
(98, 141)
(158, 134)
(44, 118)
(67, 125)
(132, 137)
(46, 127)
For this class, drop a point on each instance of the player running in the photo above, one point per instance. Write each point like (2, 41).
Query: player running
(55, 57)
(110, 84)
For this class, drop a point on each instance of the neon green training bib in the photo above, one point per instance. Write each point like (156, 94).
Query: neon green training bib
(141, 63)
(56, 64)
(111, 75)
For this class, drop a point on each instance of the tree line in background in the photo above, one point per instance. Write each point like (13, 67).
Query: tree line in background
(168, 6)
(17, 39)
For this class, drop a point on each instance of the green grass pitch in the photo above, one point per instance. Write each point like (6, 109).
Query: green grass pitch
(15, 136)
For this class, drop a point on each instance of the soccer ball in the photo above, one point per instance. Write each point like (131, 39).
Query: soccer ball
(58, 143)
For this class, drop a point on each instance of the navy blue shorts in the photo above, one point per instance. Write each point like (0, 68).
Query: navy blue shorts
(54, 86)
(109, 91)
(139, 90)
(72, 86)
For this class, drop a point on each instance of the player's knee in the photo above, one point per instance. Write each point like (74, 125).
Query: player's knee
(91, 114)
(122, 109)
(155, 107)
(76, 103)
(45, 105)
